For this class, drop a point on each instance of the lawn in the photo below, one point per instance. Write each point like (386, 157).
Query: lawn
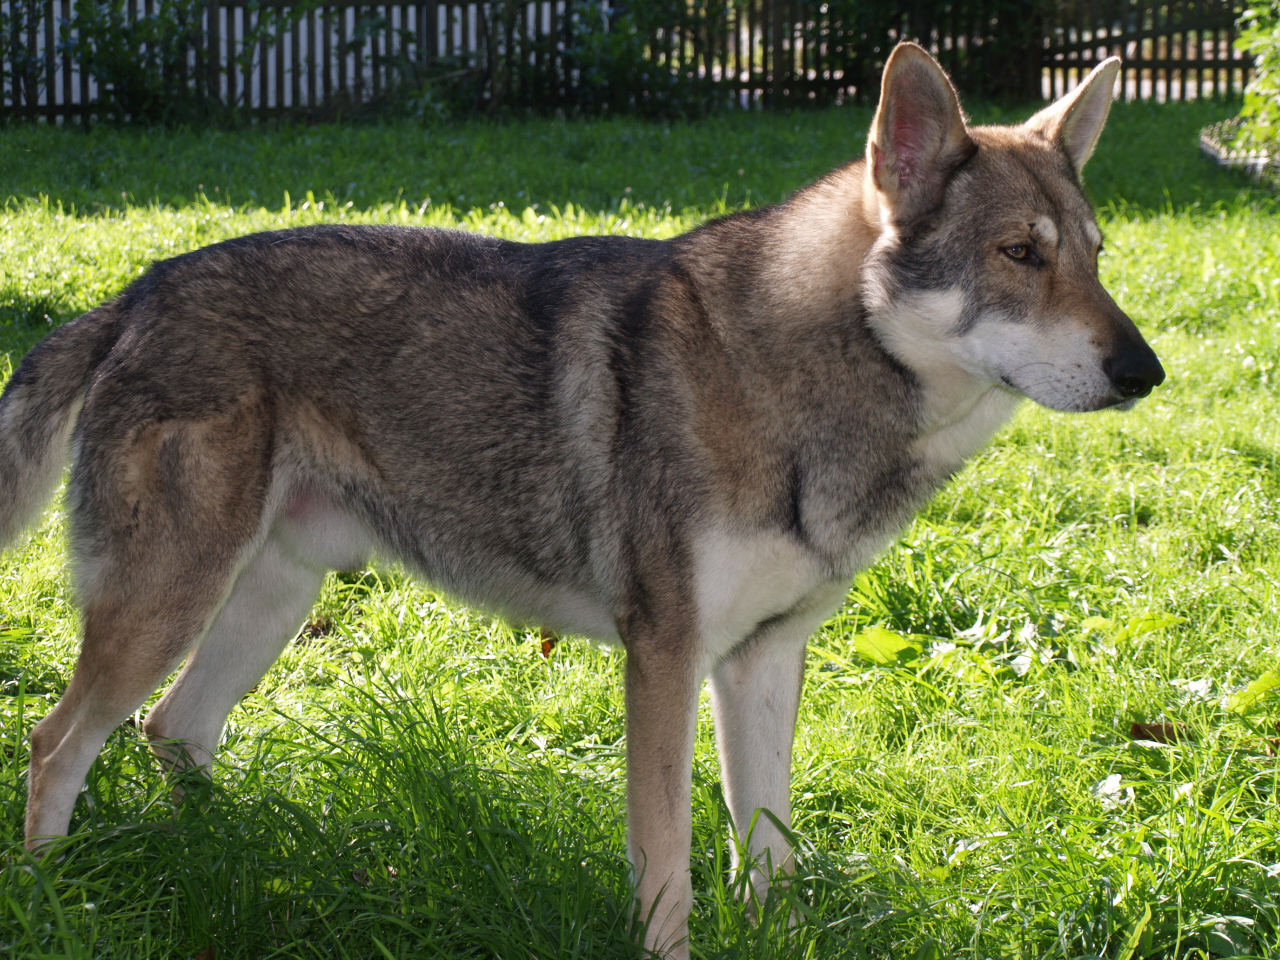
(414, 779)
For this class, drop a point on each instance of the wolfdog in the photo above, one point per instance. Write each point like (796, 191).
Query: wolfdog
(688, 447)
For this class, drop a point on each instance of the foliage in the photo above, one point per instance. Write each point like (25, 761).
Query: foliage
(1260, 35)
(1003, 59)
(620, 69)
(22, 67)
(146, 66)
(655, 59)
(609, 59)
(143, 65)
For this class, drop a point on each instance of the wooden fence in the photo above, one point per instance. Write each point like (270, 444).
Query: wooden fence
(1172, 51)
(275, 57)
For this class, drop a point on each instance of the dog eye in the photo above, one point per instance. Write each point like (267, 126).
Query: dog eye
(1020, 252)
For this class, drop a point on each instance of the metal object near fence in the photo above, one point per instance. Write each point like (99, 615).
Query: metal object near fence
(279, 57)
(1218, 143)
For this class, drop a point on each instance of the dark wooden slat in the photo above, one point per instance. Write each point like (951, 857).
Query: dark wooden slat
(295, 64)
(197, 79)
(50, 68)
(264, 74)
(30, 92)
(1222, 76)
(449, 23)
(213, 50)
(11, 92)
(1187, 50)
(233, 47)
(312, 37)
(421, 53)
(327, 53)
(85, 96)
(67, 96)
(556, 66)
(343, 53)
(778, 57)
(1160, 47)
(1134, 60)
(1233, 74)
(279, 51)
(376, 39)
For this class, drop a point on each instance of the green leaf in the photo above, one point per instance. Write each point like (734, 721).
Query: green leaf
(1228, 939)
(929, 950)
(1148, 623)
(1136, 627)
(1133, 939)
(886, 648)
(1247, 699)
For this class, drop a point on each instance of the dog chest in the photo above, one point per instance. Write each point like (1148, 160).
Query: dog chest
(743, 580)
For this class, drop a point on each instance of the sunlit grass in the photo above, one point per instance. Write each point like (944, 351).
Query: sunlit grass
(416, 780)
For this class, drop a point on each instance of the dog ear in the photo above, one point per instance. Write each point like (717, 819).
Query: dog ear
(1075, 122)
(918, 137)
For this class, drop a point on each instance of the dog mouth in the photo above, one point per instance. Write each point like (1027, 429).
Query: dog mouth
(1070, 401)
(1128, 403)
(1073, 390)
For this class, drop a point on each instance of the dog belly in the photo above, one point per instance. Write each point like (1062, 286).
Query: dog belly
(562, 611)
(315, 528)
(318, 529)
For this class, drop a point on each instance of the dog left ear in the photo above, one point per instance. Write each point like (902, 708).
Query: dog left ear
(1076, 121)
(918, 137)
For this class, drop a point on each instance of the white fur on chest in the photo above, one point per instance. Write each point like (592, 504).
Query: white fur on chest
(963, 405)
(945, 448)
(744, 579)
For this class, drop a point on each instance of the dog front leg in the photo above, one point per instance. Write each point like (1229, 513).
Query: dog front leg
(755, 695)
(662, 713)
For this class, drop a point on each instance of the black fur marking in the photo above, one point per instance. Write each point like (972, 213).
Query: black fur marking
(795, 501)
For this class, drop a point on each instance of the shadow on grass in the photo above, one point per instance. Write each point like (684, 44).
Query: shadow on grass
(1147, 162)
(382, 834)
(26, 320)
(373, 829)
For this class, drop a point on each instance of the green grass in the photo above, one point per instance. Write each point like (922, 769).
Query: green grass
(415, 780)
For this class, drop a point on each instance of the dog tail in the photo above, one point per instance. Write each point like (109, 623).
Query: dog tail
(38, 410)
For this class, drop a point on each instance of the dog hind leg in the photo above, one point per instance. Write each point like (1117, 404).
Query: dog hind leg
(755, 697)
(131, 643)
(271, 598)
(164, 513)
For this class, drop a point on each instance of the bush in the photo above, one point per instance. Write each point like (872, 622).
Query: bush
(143, 66)
(658, 58)
(1260, 35)
(22, 67)
(621, 71)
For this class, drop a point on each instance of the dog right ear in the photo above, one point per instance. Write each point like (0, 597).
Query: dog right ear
(1075, 122)
(918, 137)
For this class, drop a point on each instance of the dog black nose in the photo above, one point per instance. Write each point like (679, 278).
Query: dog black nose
(1134, 372)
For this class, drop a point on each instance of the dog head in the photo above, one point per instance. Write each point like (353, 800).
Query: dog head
(987, 259)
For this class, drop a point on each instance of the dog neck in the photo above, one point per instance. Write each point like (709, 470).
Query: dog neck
(959, 408)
